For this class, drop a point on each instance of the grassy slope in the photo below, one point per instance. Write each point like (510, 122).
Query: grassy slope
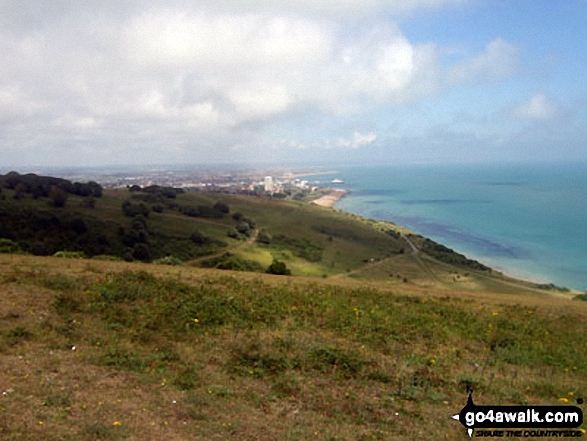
(346, 241)
(378, 350)
(186, 353)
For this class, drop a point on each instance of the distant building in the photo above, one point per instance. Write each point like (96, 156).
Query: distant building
(268, 184)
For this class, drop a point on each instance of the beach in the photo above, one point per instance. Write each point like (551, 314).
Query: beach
(331, 198)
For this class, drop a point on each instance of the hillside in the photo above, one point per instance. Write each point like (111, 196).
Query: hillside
(166, 225)
(114, 350)
(377, 335)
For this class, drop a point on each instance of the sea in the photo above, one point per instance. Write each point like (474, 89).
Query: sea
(525, 220)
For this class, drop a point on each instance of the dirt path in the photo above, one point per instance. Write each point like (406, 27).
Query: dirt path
(415, 250)
(421, 263)
(237, 247)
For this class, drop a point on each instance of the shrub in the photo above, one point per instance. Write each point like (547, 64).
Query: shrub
(8, 246)
(131, 209)
(168, 260)
(141, 251)
(70, 254)
(243, 228)
(279, 268)
(199, 238)
(58, 197)
(221, 207)
(301, 247)
(264, 237)
(233, 234)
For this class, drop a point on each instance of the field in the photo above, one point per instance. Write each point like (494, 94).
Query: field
(377, 334)
(114, 350)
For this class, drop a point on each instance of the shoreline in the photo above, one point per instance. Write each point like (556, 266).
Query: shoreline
(335, 195)
(330, 199)
(308, 173)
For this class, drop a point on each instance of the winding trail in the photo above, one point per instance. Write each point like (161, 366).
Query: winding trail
(421, 263)
(250, 240)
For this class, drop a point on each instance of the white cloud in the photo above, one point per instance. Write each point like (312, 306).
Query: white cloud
(190, 72)
(200, 40)
(539, 107)
(358, 140)
(340, 9)
(175, 76)
(497, 62)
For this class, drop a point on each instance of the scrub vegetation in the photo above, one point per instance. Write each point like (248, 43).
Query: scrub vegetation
(158, 314)
(115, 350)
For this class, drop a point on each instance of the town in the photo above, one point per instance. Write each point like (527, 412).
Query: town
(274, 182)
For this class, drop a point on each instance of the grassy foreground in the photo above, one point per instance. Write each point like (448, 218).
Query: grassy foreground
(113, 350)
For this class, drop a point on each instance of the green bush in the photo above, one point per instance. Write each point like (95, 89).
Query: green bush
(200, 238)
(70, 254)
(279, 268)
(264, 237)
(168, 260)
(9, 247)
(300, 247)
(230, 262)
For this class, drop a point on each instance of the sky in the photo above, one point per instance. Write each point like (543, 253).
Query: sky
(86, 83)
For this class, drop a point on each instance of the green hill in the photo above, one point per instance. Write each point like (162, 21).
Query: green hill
(377, 335)
(115, 350)
(228, 232)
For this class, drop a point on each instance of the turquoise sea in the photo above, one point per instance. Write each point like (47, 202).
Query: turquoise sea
(528, 221)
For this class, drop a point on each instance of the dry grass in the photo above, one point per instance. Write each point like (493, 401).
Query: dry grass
(276, 358)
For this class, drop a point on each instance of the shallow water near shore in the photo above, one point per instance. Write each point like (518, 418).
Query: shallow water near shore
(526, 220)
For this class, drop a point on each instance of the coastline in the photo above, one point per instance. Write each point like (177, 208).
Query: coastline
(335, 195)
(308, 173)
(329, 200)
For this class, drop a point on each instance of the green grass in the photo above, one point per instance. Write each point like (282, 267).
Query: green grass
(311, 240)
(373, 343)
(125, 350)
(315, 240)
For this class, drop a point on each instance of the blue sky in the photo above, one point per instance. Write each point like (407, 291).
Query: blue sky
(335, 82)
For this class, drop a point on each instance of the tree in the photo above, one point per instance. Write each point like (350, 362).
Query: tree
(141, 251)
(221, 207)
(129, 209)
(243, 228)
(199, 238)
(58, 197)
(279, 268)
(264, 237)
